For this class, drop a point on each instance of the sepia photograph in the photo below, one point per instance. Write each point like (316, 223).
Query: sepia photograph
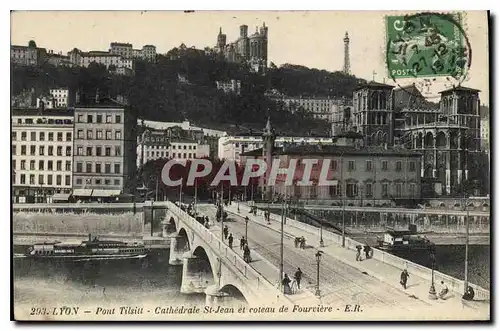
(250, 165)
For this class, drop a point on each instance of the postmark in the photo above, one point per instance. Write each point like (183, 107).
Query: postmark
(427, 45)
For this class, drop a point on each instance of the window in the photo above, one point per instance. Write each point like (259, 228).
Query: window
(117, 168)
(59, 150)
(118, 119)
(107, 168)
(50, 152)
(184, 155)
(68, 136)
(118, 151)
(49, 165)
(334, 190)
(117, 182)
(79, 167)
(99, 134)
(108, 134)
(89, 134)
(369, 190)
(351, 166)
(41, 150)
(369, 165)
(89, 166)
(59, 136)
(80, 134)
(89, 151)
(14, 150)
(68, 150)
(384, 165)
(412, 189)
(32, 165)
(89, 118)
(108, 119)
(189, 155)
(23, 164)
(40, 165)
(59, 165)
(118, 135)
(80, 118)
(79, 181)
(98, 168)
(98, 119)
(32, 150)
(40, 179)
(23, 179)
(333, 165)
(385, 190)
(33, 136)
(67, 180)
(42, 136)
(79, 150)
(23, 136)
(68, 166)
(412, 166)
(58, 180)
(108, 151)
(51, 136)
(398, 165)
(98, 182)
(352, 189)
(14, 164)
(98, 151)
(399, 190)
(14, 135)
(107, 182)
(184, 146)
(32, 179)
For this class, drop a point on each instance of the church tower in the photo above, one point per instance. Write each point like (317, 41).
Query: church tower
(347, 62)
(268, 139)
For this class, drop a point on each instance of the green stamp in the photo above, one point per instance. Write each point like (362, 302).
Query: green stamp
(427, 45)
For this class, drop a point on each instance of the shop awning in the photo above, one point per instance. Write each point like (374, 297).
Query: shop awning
(61, 197)
(105, 193)
(81, 192)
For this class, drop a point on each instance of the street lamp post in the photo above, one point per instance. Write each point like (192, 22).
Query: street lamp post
(246, 229)
(343, 223)
(281, 245)
(432, 290)
(321, 242)
(318, 260)
(466, 274)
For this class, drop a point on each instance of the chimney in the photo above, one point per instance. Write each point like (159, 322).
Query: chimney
(42, 106)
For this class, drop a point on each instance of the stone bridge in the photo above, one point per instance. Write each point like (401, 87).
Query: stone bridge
(211, 267)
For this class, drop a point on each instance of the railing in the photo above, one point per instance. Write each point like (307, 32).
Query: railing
(454, 284)
(387, 210)
(257, 283)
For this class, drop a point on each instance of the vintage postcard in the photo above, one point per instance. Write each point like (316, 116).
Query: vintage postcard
(250, 166)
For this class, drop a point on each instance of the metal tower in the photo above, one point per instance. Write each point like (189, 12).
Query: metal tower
(347, 63)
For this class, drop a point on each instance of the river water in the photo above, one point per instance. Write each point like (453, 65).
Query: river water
(154, 281)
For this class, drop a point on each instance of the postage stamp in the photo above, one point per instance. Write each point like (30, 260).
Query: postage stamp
(427, 45)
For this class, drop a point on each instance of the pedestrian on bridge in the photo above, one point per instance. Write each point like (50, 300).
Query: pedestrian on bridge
(404, 278)
(230, 241)
(226, 231)
(242, 243)
(298, 277)
(358, 254)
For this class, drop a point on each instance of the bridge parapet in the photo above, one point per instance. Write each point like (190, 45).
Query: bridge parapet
(254, 282)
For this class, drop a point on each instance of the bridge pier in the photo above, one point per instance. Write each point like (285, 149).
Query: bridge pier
(196, 274)
(215, 297)
(178, 246)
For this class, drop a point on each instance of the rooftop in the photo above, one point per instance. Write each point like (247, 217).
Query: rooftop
(460, 88)
(103, 103)
(63, 112)
(347, 150)
(374, 85)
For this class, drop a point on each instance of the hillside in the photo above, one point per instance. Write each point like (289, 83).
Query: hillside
(156, 93)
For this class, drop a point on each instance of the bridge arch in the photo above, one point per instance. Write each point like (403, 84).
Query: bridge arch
(209, 264)
(171, 226)
(183, 240)
(235, 293)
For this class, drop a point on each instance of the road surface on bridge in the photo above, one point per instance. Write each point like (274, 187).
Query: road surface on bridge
(340, 283)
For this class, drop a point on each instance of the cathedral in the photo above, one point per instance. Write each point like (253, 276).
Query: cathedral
(250, 49)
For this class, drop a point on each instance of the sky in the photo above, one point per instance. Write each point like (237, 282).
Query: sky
(310, 38)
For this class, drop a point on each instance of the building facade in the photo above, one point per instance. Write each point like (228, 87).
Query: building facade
(232, 146)
(251, 49)
(124, 50)
(61, 97)
(366, 176)
(29, 55)
(485, 134)
(42, 150)
(104, 163)
(232, 86)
